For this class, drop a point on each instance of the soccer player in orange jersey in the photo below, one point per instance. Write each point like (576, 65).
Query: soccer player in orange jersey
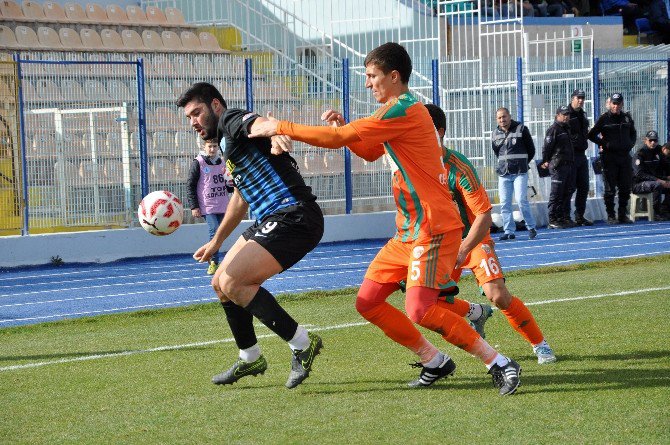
(424, 250)
(478, 254)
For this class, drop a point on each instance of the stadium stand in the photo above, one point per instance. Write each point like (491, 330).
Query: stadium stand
(96, 13)
(7, 38)
(116, 14)
(174, 16)
(54, 12)
(75, 13)
(132, 40)
(33, 11)
(26, 37)
(71, 39)
(155, 16)
(111, 40)
(48, 38)
(171, 41)
(152, 40)
(136, 15)
(90, 39)
(190, 41)
(11, 10)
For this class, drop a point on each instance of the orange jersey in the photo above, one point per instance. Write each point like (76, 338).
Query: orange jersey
(403, 129)
(469, 193)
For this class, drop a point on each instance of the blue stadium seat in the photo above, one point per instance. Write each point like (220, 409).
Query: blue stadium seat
(644, 27)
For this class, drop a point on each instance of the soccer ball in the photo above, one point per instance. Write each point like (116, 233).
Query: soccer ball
(160, 213)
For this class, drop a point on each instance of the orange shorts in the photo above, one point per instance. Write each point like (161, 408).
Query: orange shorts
(426, 262)
(484, 264)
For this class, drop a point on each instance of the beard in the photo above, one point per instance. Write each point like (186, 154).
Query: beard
(211, 125)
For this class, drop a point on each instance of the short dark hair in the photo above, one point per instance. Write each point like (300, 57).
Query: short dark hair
(505, 109)
(202, 92)
(438, 116)
(391, 56)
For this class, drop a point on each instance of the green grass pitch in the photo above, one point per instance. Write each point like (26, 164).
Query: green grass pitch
(145, 377)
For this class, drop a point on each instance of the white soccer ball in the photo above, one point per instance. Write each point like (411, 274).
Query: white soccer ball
(160, 213)
(518, 217)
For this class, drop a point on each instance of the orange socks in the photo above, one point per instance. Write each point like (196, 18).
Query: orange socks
(459, 307)
(522, 321)
(395, 325)
(458, 332)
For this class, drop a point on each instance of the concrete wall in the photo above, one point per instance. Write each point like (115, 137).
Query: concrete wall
(102, 246)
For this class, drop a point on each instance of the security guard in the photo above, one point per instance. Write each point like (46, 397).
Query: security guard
(648, 176)
(558, 155)
(615, 133)
(579, 128)
(513, 146)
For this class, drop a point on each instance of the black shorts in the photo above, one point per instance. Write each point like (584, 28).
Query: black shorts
(290, 233)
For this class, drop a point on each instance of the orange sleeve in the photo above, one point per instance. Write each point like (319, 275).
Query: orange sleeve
(331, 137)
(477, 201)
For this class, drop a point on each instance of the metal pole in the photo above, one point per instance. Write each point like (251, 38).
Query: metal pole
(24, 162)
(248, 83)
(141, 103)
(667, 108)
(436, 82)
(519, 89)
(348, 188)
(596, 89)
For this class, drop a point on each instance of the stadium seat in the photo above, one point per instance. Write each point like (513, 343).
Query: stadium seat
(136, 15)
(43, 142)
(334, 161)
(65, 172)
(75, 13)
(9, 9)
(313, 163)
(111, 39)
(155, 16)
(190, 41)
(159, 65)
(116, 14)
(152, 40)
(48, 38)
(208, 42)
(182, 167)
(96, 13)
(54, 12)
(644, 27)
(163, 143)
(90, 39)
(132, 40)
(26, 37)
(89, 173)
(29, 93)
(182, 65)
(179, 86)
(161, 89)
(174, 16)
(135, 143)
(33, 11)
(162, 169)
(186, 142)
(7, 38)
(95, 90)
(70, 38)
(91, 141)
(171, 41)
(203, 65)
(119, 89)
(72, 90)
(113, 171)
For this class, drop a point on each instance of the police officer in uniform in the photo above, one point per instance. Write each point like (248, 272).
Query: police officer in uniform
(558, 155)
(648, 174)
(513, 146)
(615, 133)
(579, 128)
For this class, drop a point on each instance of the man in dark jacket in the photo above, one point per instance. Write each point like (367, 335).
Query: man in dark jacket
(558, 155)
(579, 128)
(659, 17)
(648, 175)
(615, 133)
(513, 146)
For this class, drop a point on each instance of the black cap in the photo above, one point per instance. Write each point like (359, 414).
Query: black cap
(578, 93)
(616, 98)
(652, 135)
(563, 109)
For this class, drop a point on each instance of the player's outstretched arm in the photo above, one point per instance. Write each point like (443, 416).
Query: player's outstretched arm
(478, 230)
(237, 209)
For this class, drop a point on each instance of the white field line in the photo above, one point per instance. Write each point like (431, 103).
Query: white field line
(326, 328)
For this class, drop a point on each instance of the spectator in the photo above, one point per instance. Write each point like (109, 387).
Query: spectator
(629, 12)
(579, 128)
(648, 175)
(209, 189)
(615, 133)
(513, 146)
(659, 18)
(558, 155)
